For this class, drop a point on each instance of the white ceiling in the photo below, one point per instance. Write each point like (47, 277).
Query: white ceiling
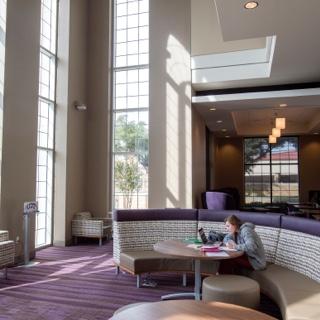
(223, 26)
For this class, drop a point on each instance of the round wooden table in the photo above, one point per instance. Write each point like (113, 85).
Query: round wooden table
(183, 249)
(189, 310)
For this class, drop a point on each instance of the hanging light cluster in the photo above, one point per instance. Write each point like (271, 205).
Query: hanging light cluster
(280, 124)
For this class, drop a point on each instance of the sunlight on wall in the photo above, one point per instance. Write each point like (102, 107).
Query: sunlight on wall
(178, 65)
(188, 151)
(178, 126)
(172, 154)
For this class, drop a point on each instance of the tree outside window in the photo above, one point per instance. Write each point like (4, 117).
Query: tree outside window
(131, 160)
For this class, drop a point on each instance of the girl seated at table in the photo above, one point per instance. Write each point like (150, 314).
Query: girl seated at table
(242, 237)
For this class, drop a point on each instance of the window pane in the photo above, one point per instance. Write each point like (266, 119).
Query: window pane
(121, 103)
(143, 19)
(121, 22)
(133, 102)
(121, 9)
(133, 76)
(45, 141)
(144, 58)
(143, 46)
(121, 36)
(285, 150)
(133, 47)
(131, 89)
(121, 61)
(121, 90)
(271, 174)
(133, 59)
(121, 49)
(133, 7)
(143, 6)
(256, 150)
(144, 74)
(121, 77)
(133, 21)
(143, 33)
(143, 101)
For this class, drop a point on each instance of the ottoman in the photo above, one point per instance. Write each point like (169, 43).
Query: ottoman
(233, 289)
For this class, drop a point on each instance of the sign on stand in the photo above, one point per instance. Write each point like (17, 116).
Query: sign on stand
(28, 209)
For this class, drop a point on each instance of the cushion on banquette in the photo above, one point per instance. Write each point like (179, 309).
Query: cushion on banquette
(151, 261)
(294, 280)
(136, 231)
(267, 226)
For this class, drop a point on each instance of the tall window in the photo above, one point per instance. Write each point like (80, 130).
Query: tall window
(131, 104)
(271, 171)
(3, 14)
(45, 143)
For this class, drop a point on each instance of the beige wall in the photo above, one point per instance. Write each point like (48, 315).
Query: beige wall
(229, 164)
(99, 155)
(71, 125)
(212, 163)
(62, 111)
(309, 159)
(170, 149)
(198, 158)
(20, 116)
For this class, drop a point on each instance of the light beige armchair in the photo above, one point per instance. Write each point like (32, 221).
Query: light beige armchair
(84, 225)
(7, 251)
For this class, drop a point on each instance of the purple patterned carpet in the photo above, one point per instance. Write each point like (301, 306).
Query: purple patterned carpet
(77, 282)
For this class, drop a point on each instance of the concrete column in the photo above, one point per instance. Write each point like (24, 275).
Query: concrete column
(21, 81)
(170, 171)
(99, 106)
(71, 124)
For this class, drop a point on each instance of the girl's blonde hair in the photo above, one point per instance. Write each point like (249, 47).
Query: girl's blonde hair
(234, 220)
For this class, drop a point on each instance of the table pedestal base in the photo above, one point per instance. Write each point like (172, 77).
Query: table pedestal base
(196, 294)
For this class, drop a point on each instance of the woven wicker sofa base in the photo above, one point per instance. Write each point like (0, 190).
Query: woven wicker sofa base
(297, 295)
(138, 262)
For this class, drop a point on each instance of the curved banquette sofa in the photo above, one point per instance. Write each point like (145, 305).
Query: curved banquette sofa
(292, 245)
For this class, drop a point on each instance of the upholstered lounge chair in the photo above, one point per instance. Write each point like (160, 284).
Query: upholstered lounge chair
(7, 251)
(84, 225)
(217, 201)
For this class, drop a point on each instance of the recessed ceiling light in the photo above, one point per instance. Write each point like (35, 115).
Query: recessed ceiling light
(251, 5)
(283, 105)
(223, 130)
(316, 133)
(219, 121)
(212, 109)
(227, 136)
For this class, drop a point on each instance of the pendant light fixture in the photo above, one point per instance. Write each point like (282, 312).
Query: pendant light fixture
(281, 123)
(272, 139)
(276, 132)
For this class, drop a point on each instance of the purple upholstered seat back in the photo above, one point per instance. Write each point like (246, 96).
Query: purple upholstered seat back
(262, 219)
(155, 214)
(218, 201)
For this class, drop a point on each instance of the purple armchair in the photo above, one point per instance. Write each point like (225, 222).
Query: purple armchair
(217, 201)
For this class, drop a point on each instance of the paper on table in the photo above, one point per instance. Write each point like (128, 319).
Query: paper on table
(227, 249)
(194, 246)
(217, 254)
